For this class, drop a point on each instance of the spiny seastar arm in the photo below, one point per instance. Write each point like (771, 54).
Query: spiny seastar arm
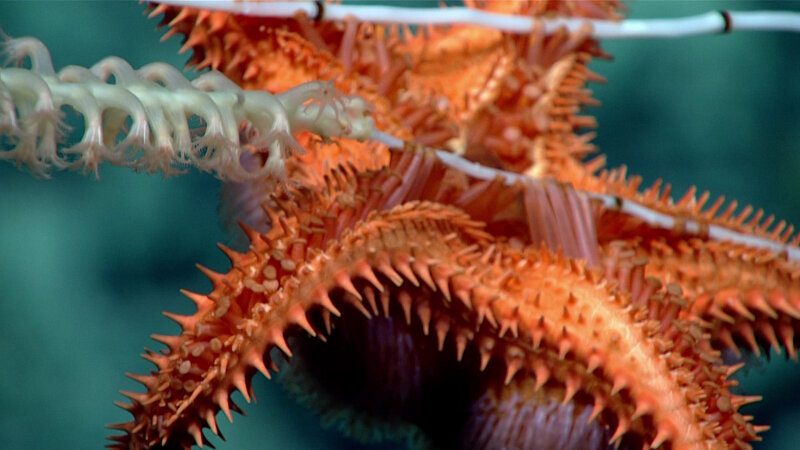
(548, 318)
(751, 295)
(281, 284)
(589, 325)
(298, 274)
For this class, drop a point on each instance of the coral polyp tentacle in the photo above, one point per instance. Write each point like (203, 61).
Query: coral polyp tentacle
(160, 137)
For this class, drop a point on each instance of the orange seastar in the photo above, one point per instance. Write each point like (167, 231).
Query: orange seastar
(384, 243)
(648, 390)
(488, 296)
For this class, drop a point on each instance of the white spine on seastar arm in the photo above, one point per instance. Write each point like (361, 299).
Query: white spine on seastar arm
(143, 119)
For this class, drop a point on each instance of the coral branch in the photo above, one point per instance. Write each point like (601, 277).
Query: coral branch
(146, 118)
(707, 23)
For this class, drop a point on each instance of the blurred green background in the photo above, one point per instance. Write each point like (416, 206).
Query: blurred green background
(86, 266)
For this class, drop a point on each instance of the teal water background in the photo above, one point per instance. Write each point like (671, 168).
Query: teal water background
(87, 266)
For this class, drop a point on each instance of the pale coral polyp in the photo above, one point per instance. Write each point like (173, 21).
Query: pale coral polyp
(159, 102)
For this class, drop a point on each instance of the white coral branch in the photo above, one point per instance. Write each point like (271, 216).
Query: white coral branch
(144, 119)
(706, 23)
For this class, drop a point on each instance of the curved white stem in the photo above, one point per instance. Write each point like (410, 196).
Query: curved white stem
(647, 215)
(707, 23)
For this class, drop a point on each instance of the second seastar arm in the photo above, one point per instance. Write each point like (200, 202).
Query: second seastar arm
(749, 293)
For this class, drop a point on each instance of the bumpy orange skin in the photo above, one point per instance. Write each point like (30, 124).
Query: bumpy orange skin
(370, 239)
(579, 304)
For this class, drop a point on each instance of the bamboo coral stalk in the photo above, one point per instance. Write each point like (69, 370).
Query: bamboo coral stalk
(707, 23)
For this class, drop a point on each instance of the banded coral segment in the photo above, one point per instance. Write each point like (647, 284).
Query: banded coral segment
(142, 119)
(541, 76)
(696, 207)
(601, 9)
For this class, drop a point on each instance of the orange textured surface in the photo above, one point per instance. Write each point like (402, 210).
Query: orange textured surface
(584, 304)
